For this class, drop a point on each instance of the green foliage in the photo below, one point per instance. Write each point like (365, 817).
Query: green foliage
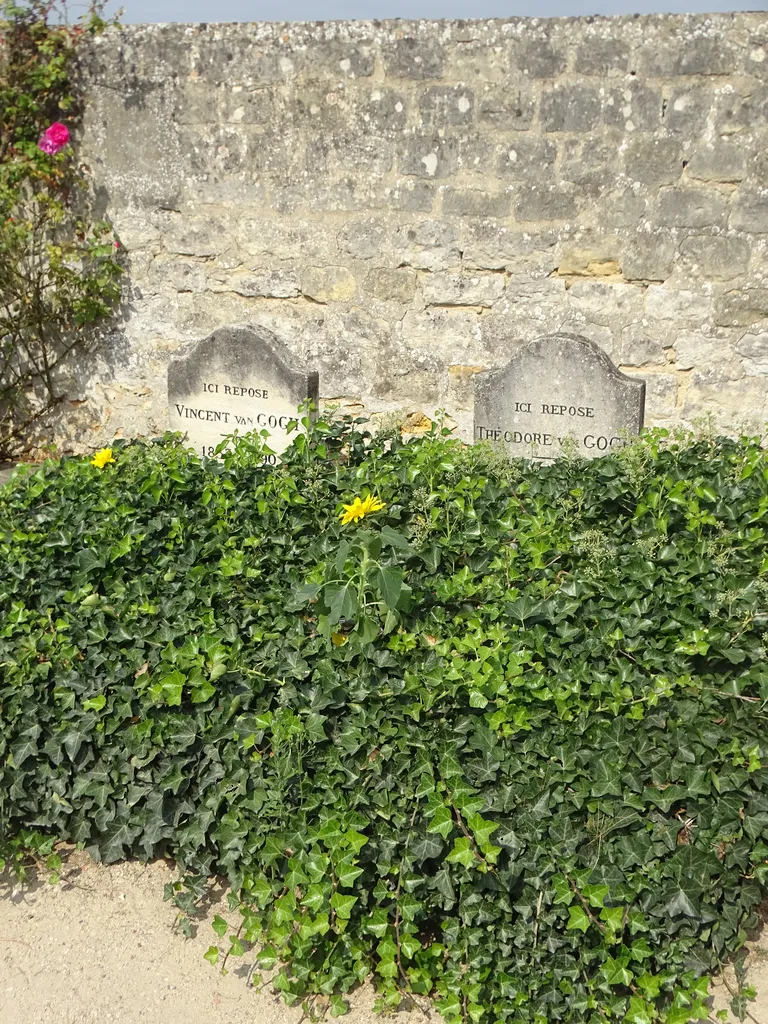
(500, 743)
(59, 273)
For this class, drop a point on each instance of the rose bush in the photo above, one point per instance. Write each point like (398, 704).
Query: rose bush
(59, 272)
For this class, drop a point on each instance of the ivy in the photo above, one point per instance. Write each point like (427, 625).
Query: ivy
(59, 268)
(500, 743)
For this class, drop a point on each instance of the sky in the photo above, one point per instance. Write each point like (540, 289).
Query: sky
(331, 10)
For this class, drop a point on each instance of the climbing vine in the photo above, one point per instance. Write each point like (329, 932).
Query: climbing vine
(491, 733)
(59, 268)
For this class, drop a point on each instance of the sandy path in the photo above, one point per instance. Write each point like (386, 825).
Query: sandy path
(99, 949)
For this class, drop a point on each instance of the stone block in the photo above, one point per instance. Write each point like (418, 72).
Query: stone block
(716, 257)
(139, 231)
(428, 156)
(477, 60)
(305, 197)
(739, 109)
(681, 53)
(440, 105)
(660, 394)
(475, 203)
(242, 106)
(427, 245)
(538, 58)
(196, 236)
(457, 290)
(605, 303)
(753, 351)
(270, 284)
(757, 169)
(638, 347)
(241, 191)
(398, 285)
(741, 307)
(736, 406)
(507, 108)
(337, 154)
(351, 59)
(589, 161)
(542, 203)
(691, 208)
(623, 208)
(378, 109)
(273, 237)
(176, 275)
(139, 150)
(218, 149)
(597, 261)
(364, 238)
(418, 58)
(413, 196)
(534, 306)
(633, 104)
(721, 161)
(526, 158)
(713, 359)
(478, 153)
(456, 334)
(223, 61)
(686, 111)
(652, 161)
(750, 213)
(684, 308)
(647, 257)
(488, 246)
(328, 284)
(601, 57)
(570, 108)
(196, 102)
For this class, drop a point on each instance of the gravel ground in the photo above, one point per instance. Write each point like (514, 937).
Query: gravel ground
(99, 948)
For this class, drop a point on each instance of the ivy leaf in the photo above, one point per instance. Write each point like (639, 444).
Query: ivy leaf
(343, 905)
(339, 1006)
(442, 822)
(461, 853)
(482, 829)
(680, 901)
(578, 919)
(639, 1012)
(563, 892)
(616, 972)
(347, 871)
(425, 847)
(595, 894)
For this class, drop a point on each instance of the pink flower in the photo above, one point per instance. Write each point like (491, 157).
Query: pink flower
(54, 139)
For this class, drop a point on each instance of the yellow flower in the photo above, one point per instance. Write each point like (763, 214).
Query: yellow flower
(100, 459)
(360, 508)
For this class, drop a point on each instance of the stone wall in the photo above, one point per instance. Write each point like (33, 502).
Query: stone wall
(405, 203)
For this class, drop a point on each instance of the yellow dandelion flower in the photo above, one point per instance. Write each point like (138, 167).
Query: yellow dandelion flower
(100, 459)
(361, 508)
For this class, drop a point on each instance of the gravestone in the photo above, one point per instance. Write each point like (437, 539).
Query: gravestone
(558, 392)
(240, 378)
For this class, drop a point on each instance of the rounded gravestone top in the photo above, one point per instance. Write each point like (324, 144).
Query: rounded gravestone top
(559, 392)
